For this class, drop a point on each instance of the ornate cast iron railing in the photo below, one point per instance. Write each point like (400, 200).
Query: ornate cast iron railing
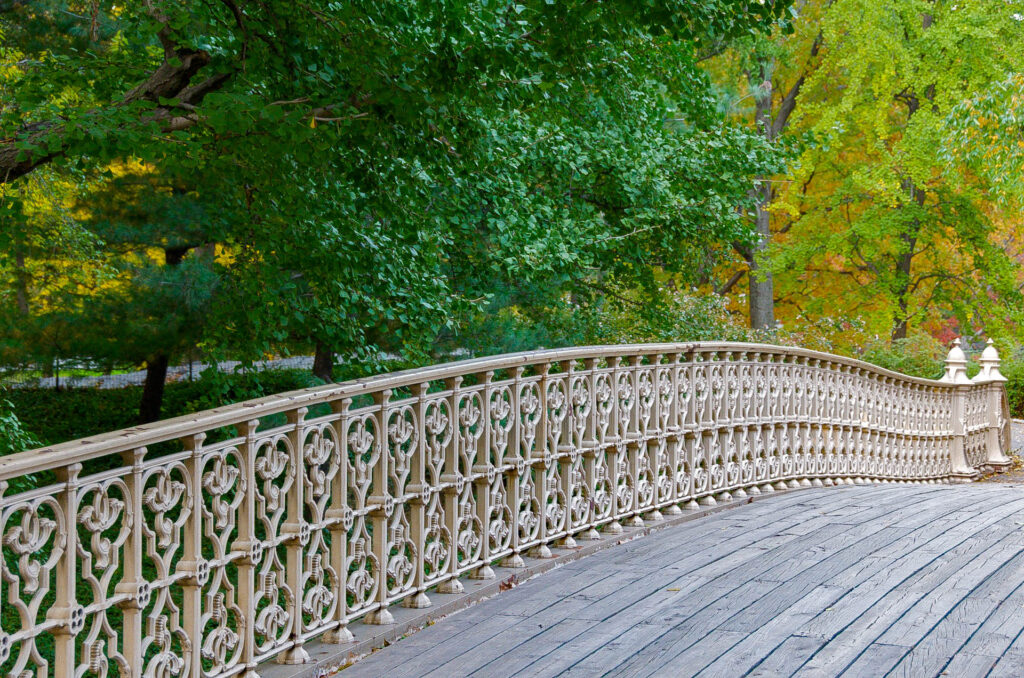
(207, 544)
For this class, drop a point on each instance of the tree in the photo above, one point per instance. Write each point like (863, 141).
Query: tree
(875, 217)
(986, 133)
(144, 71)
(384, 166)
(162, 232)
(773, 108)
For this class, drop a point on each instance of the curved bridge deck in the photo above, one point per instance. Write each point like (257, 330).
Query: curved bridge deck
(859, 581)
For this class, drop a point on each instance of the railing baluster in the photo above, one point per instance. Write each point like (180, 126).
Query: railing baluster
(590, 447)
(193, 566)
(519, 469)
(342, 514)
(541, 461)
(452, 488)
(421, 493)
(482, 478)
(133, 583)
(383, 507)
(296, 533)
(65, 606)
(250, 546)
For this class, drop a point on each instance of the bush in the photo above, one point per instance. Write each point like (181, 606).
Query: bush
(57, 416)
(14, 438)
(920, 355)
(1013, 369)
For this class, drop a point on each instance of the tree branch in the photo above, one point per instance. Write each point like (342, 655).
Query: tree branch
(788, 102)
(731, 282)
(171, 80)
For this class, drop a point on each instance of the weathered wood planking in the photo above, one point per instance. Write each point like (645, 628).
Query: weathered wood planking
(900, 580)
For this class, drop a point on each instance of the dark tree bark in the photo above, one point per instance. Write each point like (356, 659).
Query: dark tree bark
(153, 389)
(904, 261)
(156, 366)
(21, 278)
(323, 363)
(904, 268)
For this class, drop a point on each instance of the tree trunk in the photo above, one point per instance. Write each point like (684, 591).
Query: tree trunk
(899, 330)
(762, 288)
(156, 366)
(21, 278)
(904, 268)
(323, 363)
(153, 390)
(901, 323)
(905, 260)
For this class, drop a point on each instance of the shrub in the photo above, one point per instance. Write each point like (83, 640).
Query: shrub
(920, 355)
(1013, 369)
(55, 416)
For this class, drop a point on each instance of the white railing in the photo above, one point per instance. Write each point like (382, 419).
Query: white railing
(207, 544)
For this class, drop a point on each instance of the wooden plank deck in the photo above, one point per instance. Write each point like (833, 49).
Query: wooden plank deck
(905, 580)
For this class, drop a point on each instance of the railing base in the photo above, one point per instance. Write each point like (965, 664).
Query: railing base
(326, 658)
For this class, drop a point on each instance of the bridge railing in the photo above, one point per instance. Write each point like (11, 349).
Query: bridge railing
(207, 544)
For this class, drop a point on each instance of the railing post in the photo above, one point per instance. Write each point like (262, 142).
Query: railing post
(589, 444)
(133, 584)
(252, 547)
(483, 477)
(542, 460)
(674, 435)
(65, 606)
(993, 381)
(451, 491)
(383, 507)
(956, 374)
(192, 564)
(296, 533)
(421, 494)
(343, 518)
(566, 453)
(521, 468)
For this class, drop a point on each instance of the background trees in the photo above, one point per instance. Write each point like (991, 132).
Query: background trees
(371, 180)
(876, 216)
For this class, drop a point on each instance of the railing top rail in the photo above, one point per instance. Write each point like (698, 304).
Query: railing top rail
(83, 449)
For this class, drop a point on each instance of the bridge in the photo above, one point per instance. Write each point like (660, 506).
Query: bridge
(858, 581)
(802, 513)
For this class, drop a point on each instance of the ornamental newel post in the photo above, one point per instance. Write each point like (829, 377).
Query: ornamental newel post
(956, 365)
(956, 374)
(989, 362)
(990, 378)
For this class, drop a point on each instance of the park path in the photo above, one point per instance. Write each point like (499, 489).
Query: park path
(910, 580)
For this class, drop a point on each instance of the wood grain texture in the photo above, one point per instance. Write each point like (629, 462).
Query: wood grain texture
(900, 580)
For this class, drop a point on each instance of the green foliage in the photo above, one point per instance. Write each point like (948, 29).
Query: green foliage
(375, 173)
(985, 132)
(56, 416)
(880, 219)
(919, 355)
(15, 437)
(1013, 369)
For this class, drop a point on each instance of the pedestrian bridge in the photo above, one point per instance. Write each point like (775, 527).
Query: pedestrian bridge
(286, 535)
(859, 581)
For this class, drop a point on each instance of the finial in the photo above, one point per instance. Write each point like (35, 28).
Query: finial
(989, 365)
(956, 365)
